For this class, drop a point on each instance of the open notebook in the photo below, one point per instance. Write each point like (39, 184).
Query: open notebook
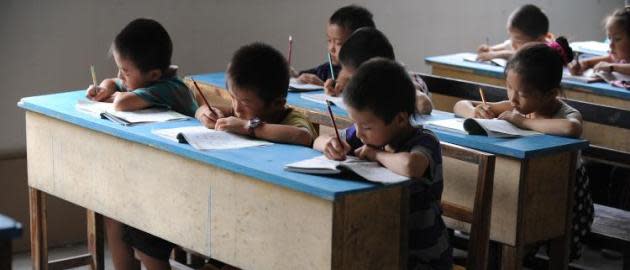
(485, 127)
(495, 62)
(297, 86)
(591, 47)
(369, 170)
(202, 138)
(321, 98)
(590, 76)
(106, 110)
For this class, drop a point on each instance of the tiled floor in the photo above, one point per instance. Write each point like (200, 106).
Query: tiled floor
(592, 259)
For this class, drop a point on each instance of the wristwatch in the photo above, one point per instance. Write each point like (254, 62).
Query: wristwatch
(252, 124)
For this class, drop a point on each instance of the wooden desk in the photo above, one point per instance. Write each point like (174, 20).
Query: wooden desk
(454, 66)
(238, 206)
(531, 173)
(607, 136)
(9, 230)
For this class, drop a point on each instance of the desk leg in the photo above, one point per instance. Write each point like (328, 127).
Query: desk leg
(512, 257)
(559, 247)
(95, 240)
(39, 234)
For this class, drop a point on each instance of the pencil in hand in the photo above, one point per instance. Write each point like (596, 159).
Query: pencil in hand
(290, 50)
(483, 97)
(214, 111)
(332, 118)
(332, 71)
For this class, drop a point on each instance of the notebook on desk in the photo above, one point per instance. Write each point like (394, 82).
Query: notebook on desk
(321, 98)
(202, 138)
(369, 170)
(495, 62)
(590, 76)
(484, 127)
(296, 86)
(106, 110)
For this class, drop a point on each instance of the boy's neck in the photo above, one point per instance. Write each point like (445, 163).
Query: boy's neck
(401, 137)
(276, 116)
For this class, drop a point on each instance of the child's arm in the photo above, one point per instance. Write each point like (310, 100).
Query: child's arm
(570, 127)
(329, 145)
(128, 101)
(423, 103)
(409, 164)
(269, 132)
(476, 109)
(310, 78)
(103, 91)
(502, 50)
(609, 67)
(576, 69)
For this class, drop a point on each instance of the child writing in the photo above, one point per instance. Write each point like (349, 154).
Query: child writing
(382, 132)
(526, 24)
(340, 26)
(257, 80)
(618, 31)
(142, 51)
(533, 83)
(366, 43)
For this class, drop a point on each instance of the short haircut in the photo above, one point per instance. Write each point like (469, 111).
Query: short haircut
(145, 43)
(538, 65)
(260, 68)
(530, 20)
(352, 17)
(383, 87)
(620, 17)
(365, 43)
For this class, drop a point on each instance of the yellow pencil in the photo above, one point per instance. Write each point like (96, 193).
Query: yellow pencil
(93, 75)
(483, 98)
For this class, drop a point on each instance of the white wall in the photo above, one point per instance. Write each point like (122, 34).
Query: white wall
(47, 46)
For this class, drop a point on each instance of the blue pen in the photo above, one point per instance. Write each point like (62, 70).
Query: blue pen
(332, 72)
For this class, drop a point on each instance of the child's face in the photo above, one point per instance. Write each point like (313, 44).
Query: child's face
(524, 98)
(336, 35)
(372, 130)
(518, 38)
(247, 105)
(619, 41)
(130, 75)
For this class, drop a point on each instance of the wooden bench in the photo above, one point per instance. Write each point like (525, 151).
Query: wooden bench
(9, 230)
(613, 226)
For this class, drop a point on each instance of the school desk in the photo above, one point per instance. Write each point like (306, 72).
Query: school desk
(238, 206)
(531, 174)
(454, 66)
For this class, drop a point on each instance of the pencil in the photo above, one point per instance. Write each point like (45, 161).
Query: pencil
(93, 75)
(577, 59)
(483, 98)
(332, 118)
(290, 50)
(332, 72)
(205, 101)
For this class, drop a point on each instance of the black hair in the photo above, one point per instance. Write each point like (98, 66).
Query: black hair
(364, 44)
(145, 43)
(530, 20)
(539, 65)
(352, 17)
(620, 17)
(383, 87)
(260, 68)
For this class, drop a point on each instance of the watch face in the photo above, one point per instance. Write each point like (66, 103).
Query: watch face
(254, 122)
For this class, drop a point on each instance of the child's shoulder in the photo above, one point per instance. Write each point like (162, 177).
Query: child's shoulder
(422, 138)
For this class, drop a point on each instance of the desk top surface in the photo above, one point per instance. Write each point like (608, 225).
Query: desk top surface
(457, 61)
(9, 228)
(520, 148)
(265, 163)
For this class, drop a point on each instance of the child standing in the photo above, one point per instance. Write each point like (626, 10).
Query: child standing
(618, 31)
(382, 132)
(257, 80)
(142, 51)
(526, 24)
(364, 44)
(340, 26)
(533, 83)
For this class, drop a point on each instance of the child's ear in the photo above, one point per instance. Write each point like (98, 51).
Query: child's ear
(402, 118)
(155, 74)
(279, 102)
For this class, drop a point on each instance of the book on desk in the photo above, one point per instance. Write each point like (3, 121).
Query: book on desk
(484, 127)
(369, 170)
(106, 110)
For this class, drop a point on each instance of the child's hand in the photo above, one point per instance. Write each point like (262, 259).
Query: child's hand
(483, 111)
(208, 116)
(577, 69)
(366, 152)
(293, 73)
(336, 151)
(232, 124)
(485, 56)
(512, 117)
(603, 66)
(484, 48)
(332, 88)
(98, 93)
(310, 78)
